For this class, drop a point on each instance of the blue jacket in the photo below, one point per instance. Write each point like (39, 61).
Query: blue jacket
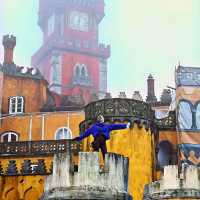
(101, 128)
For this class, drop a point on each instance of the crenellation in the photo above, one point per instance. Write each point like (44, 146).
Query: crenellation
(9, 41)
(90, 180)
(173, 184)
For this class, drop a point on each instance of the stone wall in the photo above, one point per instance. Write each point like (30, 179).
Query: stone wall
(89, 182)
(175, 185)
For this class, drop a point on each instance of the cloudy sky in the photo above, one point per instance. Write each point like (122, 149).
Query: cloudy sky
(146, 36)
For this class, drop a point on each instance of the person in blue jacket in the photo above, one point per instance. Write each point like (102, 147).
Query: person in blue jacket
(101, 132)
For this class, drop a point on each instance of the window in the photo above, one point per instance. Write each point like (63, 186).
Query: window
(51, 23)
(16, 105)
(185, 115)
(9, 137)
(63, 133)
(77, 70)
(198, 116)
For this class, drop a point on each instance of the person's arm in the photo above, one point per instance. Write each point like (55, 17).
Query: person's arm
(118, 126)
(84, 135)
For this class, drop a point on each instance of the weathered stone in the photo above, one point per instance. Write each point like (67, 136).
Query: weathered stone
(175, 185)
(89, 182)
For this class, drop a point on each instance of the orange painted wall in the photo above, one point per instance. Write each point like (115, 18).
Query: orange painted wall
(52, 122)
(169, 135)
(34, 92)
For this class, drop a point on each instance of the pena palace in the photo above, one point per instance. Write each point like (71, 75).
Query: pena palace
(45, 105)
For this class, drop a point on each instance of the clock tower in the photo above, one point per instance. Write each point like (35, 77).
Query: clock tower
(71, 57)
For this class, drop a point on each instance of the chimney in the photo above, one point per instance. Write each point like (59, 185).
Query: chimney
(9, 42)
(151, 98)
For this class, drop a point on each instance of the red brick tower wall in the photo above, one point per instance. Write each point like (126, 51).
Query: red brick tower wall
(70, 39)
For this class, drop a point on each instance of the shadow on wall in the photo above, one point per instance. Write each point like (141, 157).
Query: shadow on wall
(165, 154)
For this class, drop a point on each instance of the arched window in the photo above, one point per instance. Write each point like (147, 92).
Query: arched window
(77, 70)
(198, 115)
(51, 24)
(9, 137)
(77, 73)
(165, 153)
(184, 115)
(16, 105)
(63, 133)
(83, 71)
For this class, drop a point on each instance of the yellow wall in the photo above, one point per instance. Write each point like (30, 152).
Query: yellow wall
(21, 187)
(137, 145)
(31, 187)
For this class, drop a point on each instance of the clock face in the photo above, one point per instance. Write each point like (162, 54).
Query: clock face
(79, 21)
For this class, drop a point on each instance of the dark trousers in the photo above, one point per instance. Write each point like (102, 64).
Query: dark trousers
(100, 143)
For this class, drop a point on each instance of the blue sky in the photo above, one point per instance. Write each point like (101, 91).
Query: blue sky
(146, 36)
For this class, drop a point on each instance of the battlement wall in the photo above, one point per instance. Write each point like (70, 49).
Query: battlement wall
(175, 185)
(89, 182)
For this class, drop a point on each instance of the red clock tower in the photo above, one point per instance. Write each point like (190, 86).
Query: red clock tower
(71, 57)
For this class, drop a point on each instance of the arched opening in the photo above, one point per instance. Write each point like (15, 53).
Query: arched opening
(185, 115)
(165, 154)
(63, 133)
(198, 115)
(77, 71)
(83, 71)
(9, 137)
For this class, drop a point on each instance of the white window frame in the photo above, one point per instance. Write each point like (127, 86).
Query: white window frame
(9, 136)
(63, 135)
(16, 98)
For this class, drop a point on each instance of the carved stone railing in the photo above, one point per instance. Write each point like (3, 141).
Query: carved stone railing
(167, 123)
(118, 109)
(37, 148)
(122, 109)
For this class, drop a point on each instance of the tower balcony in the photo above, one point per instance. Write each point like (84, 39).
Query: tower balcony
(74, 46)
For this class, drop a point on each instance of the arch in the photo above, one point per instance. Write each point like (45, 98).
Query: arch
(31, 193)
(63, 133)
(83, 71)
(185, 115)
(9, 136)
(165, 153)
(197, 114)
(77, 73)
(77, 70)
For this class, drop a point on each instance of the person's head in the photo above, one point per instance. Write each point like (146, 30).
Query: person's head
(100, 118)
